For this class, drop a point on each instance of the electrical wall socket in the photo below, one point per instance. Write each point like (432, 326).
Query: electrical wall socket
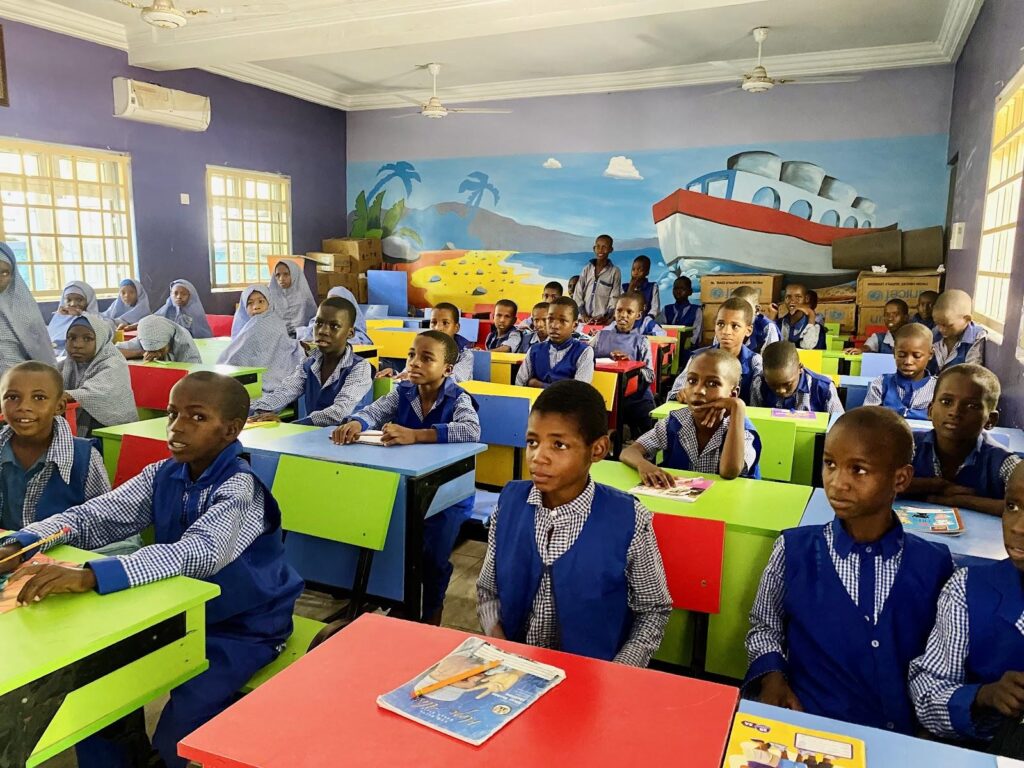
(185, 199)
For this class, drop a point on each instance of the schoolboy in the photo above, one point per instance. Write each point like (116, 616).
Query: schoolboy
(800, 323)
(44, 468)
(213, 519)
(599, 285)
(786, 383)
(733, 327)
(711, 435)
(925, 304)
(561, 356)
(564, 534)
(765, 331)
(909, 391)
(639, 283)
(622, 341)
(445, 318)
(538, 332)
(843, 608)
(896, 315)
(570, 287)
(956, 463)
(682, 312)
(551, 292)
(957, 338)
(504, 337)
(428, 408)
(332, 381)
(970, 679)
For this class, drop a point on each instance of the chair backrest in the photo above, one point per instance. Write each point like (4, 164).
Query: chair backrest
(691, 549)
(832, 328)
(605, 383)
(392, 342)
(220, 324)
(152, 385)
(778, 444)
(812, 359)
(481, 365)
(374, 311)
(876, 364)
(136, 454)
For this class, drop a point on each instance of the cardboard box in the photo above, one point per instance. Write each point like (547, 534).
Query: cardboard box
(361, 294)
(873, 290)
(874, 249)
(327, 280)
(869, 316)
(716, 287)
(353, 246)
(845, 314)
(923, 248)
(710, 315)
(346, 262)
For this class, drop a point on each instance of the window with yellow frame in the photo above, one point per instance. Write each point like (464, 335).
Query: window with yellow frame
(66, 212)
(249, 219)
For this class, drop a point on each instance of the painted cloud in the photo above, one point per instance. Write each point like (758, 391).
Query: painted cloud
(621, 167)
(551, 163)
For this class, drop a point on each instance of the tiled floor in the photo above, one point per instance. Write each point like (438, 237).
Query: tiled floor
(459, 613)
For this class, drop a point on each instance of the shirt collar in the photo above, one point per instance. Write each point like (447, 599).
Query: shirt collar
(62, 447)
(927, 439)
(890, 544)
(564, 345)
(347, 358)
(581, 503)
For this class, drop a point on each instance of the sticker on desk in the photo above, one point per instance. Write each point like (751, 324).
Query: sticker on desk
(472, 692)
(756, 741)
(788, 414)
(686, 489)
(944, 520)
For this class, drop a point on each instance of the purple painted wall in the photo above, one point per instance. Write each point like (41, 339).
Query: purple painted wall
(990, 59)
(60, 91)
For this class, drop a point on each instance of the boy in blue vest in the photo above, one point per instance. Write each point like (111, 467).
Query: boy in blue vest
(969, 681)
(504, 336)
(44, 468)
(561, 356)
(444, 318)
(331, 382)
(765, 331)
(622, 342)
(896, 315)
(800, 323)
(956, 463)
(925, 305)
(213, 519)
(428, 408)
(909, 391)
(682, 312)
(733, 327)
(639, 283)
(572, 564)
(785, 383)
(538, 332)
(711, 435)
(957, 338)
(843, 608)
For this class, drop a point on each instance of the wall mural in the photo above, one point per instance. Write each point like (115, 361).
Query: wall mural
(473, 230)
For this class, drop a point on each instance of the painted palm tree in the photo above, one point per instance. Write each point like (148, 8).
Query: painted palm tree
(478, 184)
(401, 170)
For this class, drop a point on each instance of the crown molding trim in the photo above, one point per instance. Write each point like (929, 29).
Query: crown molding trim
(956, 26)
(282, 83)
(66, 21)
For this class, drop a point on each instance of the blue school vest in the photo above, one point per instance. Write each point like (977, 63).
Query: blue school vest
(760, 335)
(817, 385)
(540, 361)
(682, 313)
(676, 457)
(840, 665)
(59, 496)
(746, 370)
(258, 589)
(798, 328)
(316, 397)
(891, 383)
(443, 414)
(981, 468)
(970, 336)
(646, 290)
(494, 340)
(929, 324)
(588, 582)
(461, 342)
(883, 348)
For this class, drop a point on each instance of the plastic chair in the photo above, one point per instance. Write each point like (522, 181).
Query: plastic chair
(876, 364)
(304, 632)
(136, 454)
(220, 324)
(812, 359)
(692, 550)
(481, 365)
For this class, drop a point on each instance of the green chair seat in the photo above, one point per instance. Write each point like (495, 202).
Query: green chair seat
(303, 632)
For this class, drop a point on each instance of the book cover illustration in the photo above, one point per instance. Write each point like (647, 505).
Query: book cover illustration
(687, 489)
(788, 414)
(944, 520)
(757, 742)
(474, 709)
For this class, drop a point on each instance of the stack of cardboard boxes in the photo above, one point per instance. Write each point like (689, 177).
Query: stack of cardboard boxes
(874, 290)
(345, 261)
(715, 288)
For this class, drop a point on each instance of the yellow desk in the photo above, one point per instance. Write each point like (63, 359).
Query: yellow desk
(505, 366)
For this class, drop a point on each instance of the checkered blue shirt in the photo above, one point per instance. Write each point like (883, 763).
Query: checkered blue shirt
(768, 617)
(556, 530)
(358, 383)
(706, 461)
(808, 338)
(937, 674)
(920, 400)
(233, 519)
(973, 338)
(803, 395)
(584, 366)
(646, 373)
(463, 368)
(463, 428)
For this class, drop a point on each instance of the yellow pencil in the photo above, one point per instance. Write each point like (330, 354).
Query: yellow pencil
(33, 545)
(454, 679)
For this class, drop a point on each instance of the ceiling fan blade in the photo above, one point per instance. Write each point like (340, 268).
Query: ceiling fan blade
(818, 80)
(405, 114)
(481, 111)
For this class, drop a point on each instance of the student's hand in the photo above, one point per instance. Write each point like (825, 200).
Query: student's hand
(1005, 696)
(618, 355)
(775, 690)
(149, 357)
(385, 373)
(710, 413)
(122, 326)
(347, 433)
(53, 579)
(535, 382)
(398, 435)
(854, 351)
(9, 549)
(265, 416)
(654, 476)
(772, 311)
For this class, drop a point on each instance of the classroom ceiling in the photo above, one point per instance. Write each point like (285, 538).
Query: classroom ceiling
(369, 54)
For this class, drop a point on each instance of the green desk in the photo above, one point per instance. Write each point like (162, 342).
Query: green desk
(754, 513)
(805, 447)
(210, 349)
(838, 362)
(75, 663)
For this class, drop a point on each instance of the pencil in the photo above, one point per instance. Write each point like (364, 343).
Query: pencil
(454, 679)
(33, 545)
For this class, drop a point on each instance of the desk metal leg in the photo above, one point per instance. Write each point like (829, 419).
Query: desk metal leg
(359, 586)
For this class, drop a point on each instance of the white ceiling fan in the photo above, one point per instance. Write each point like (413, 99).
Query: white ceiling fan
(758, 81)
(433, 108)
(163, 14)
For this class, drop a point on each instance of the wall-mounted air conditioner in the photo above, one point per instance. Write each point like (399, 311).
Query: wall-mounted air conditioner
(148, 103)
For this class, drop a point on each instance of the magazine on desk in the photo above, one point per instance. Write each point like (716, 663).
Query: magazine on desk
(687, 489)
(945, 520)
(473, 709)
(756, 742)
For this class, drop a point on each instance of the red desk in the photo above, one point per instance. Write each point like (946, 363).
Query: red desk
(628, 382)
(322, 711)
